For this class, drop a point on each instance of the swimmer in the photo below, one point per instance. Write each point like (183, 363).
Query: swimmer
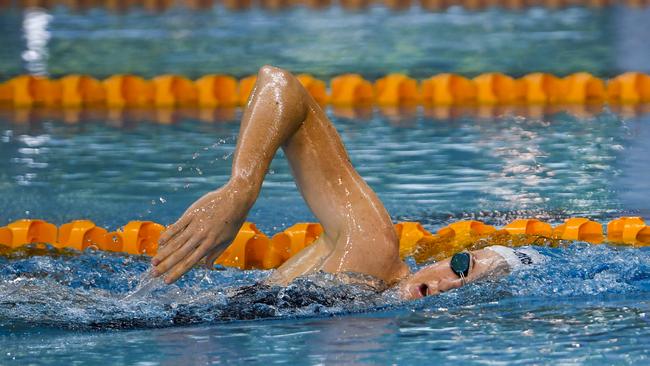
(358, 235)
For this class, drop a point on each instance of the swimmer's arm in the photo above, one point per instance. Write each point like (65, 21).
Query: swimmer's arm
(211, 223)
(358, 234)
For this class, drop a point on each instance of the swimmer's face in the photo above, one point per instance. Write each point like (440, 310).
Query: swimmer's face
(438, 277)
(431, 280)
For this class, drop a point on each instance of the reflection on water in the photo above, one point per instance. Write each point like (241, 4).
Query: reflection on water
(36, 36)
(401, 115)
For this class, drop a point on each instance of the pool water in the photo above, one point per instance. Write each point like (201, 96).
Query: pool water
(324, 42)
(589, 304)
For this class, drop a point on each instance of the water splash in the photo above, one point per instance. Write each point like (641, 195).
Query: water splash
(104, 290)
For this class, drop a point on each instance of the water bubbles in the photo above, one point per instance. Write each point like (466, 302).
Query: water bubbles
(162, 200)
(195, 155)
(199, 171)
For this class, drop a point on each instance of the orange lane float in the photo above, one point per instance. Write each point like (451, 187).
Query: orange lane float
(497, 88)
(395, 89)
(214, 90)
(630, 87)
(628, 230)
(137, 237)
(448, 89)
(315, 87)
(81, 90)
(27, 90)
(127, 91)
(173, 91)
(579, 228)
(529, 227)
(351, 89)
(217, 91)
(581, 88)
(81, 234)
(541, 88)
(410, 234)
(296, 238)
(252, 249)
(26, 231)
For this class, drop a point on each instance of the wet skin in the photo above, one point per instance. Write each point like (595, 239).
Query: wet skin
(358, 232)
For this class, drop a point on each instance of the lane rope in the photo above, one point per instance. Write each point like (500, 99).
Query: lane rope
(211, 91)
(252, 249)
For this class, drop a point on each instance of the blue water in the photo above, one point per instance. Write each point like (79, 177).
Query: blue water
(324, 42)
(586, 305)
(493, 169)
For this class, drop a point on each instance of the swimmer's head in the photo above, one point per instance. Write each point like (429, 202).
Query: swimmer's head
(439, 277)
(430, 280)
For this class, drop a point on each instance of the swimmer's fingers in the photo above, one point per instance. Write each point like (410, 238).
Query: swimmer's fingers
(190, 245)
(212, 257)
(186, 264)
(172, 231)
(171, 246)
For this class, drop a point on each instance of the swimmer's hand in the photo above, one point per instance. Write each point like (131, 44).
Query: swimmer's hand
(204, 231)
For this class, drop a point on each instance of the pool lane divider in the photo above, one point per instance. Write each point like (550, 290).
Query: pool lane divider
(252, 249)
(211, 91)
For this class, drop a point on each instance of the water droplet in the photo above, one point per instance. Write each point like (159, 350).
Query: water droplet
(180, 168)
(162, 200)
(195, 155)
(198, 170)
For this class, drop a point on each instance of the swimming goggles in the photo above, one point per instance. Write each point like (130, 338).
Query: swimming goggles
(460, 264)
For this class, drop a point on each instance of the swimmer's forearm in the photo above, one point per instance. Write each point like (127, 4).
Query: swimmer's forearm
(268, 122)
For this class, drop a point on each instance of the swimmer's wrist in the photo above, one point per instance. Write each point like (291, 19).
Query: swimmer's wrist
(244, 189)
